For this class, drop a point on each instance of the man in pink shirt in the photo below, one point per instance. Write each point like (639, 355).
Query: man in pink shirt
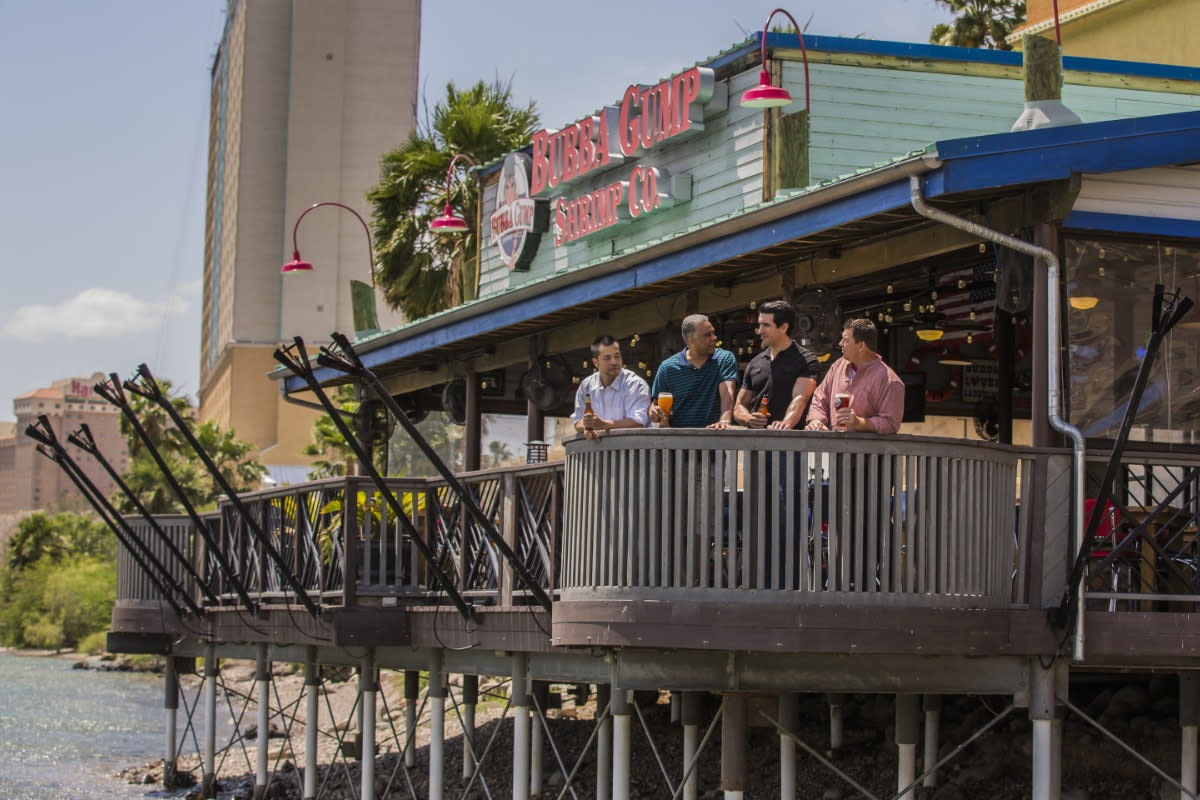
(876, 392)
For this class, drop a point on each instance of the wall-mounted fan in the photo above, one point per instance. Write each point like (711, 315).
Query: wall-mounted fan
(454, 400)
(818, 320)
(987, 421)
(548, 384)
(373, 424)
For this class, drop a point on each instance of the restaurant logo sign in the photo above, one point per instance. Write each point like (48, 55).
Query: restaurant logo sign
(519, 220)
(647, 117)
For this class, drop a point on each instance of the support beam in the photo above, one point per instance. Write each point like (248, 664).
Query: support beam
(520, 706)
(541, 691)
(412, 695)
(733, 745)
(932, 704)
(690, 715)
(473, 433)
(171, 706)
(368, 688)
(1189, 717)
(837, 727)
(436, 691)
(262, 679)
(470, 699)
(312, 712)
(789, 718)
(1041, 713)
(908, 728)
(604, 758)
(209, 755)
(622, 741)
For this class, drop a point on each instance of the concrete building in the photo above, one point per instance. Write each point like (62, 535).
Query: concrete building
(305, 99)
(30, 482)
(1158, 31)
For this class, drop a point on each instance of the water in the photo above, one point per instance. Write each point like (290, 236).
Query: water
(64, 733)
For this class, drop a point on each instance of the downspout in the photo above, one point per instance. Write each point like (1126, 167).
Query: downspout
(1054, 365)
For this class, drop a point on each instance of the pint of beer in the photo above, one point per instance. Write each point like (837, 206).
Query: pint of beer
(840, 400)
(665, 401)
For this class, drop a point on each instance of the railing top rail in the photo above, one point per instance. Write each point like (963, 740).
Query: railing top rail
(799, 441)
(1157, 453)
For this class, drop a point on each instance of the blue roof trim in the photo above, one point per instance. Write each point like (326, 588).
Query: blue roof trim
(1130, 223)
(937, 52)
(1008, 159)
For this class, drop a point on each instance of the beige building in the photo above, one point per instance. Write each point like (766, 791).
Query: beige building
(1157, 31)
(305, 99)
(29, 481)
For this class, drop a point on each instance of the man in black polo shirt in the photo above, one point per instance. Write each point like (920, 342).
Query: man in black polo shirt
(784, 372)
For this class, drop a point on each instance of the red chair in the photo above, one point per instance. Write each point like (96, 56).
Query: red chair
(1121, 574)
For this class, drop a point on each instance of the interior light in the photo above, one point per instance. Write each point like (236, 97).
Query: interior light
(1083, 302)
(929, 334)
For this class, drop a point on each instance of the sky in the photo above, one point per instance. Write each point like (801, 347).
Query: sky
(104, 126)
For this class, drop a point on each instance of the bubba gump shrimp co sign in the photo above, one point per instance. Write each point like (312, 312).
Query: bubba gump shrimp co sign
(647, 117)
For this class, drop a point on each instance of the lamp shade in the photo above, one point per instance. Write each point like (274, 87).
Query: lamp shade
(929, 334)
(448, 222)
(297, 264)
(765, 95)
(1083, 302)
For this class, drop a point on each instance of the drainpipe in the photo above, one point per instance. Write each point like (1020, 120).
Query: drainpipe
(1054, 365)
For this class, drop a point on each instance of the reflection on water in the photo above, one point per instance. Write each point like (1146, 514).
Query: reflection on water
(64, 733)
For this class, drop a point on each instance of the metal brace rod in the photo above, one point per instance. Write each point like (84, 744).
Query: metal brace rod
(646, 730)
(487, 749)
(1125, 747)
(150, 390)
(862, 789)
(545, 725)
(303, 369)
(583, 753)
(699, 749)
(349, 363)
(111, 391)
(84, 440)
(468, 746)
(49, 446)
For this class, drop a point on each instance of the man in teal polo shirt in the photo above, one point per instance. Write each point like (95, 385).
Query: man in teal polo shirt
(702, 378)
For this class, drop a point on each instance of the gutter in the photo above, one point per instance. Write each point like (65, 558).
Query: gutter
(1054, 365)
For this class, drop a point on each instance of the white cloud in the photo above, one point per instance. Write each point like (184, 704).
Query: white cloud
(94, 313)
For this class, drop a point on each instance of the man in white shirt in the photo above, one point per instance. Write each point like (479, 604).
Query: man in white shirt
(619, 398)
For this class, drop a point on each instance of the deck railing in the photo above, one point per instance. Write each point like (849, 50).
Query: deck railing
(341, 541)
(1144, 555)
(840, 518)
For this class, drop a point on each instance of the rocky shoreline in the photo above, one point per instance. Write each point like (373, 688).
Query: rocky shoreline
(1142, 710)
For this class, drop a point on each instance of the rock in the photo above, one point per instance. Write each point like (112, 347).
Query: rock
(555, 779)
(149, 778)
(948, 791)
(833, 793)
(1127, 701)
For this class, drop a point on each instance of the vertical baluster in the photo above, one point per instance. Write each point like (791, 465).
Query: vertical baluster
(656, 520)
(760, 519)
(867, 494)
(640, 528)
(713, 560)
(696, 504)
(845, 531)
(889, 509)
(821, 544)
(807, 535)
(788, 524)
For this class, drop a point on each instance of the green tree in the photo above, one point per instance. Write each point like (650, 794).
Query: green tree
(498, 453)
(333, 456)
(979, 23)
(231, 455)
(422, 274)
(53, 539)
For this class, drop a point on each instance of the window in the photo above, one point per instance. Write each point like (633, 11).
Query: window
(1110, 291)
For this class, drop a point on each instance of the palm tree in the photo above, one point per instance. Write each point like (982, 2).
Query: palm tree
(422, 274)
(498, 452)
(979, 23)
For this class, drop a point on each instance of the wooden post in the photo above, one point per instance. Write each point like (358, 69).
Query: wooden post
(1042, 66)
(473, 435)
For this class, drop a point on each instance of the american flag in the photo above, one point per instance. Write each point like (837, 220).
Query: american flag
(978, 296)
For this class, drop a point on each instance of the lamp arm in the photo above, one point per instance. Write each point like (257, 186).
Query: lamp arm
(803, 50)
(357, 216)
(450, 170)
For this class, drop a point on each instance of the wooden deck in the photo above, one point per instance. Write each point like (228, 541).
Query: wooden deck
(796, 545)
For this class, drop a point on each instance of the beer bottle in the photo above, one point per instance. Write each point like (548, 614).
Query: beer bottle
(762, 408)
(587, 404)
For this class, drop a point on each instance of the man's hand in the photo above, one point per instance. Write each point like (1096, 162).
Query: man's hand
(757, 420)
(593, 425)
(779, 425)
(722, 424)
(816, 425)
(656, 414)
(847, 420)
